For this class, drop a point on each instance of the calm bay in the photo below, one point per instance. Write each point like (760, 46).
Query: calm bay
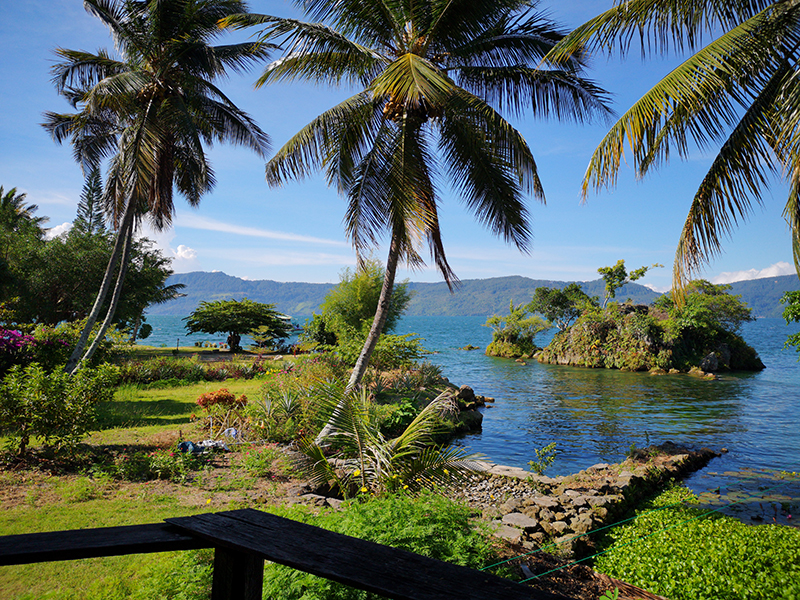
(596, 415)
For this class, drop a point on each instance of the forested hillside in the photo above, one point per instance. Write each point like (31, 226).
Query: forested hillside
(475, 296)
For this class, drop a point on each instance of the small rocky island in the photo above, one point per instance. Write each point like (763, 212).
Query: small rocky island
(698, 333)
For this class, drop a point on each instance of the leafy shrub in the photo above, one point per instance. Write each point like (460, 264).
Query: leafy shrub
(56, 407)
(391, 352)
(429, 525)
(221, 397)
(189, 370)
(675, 553)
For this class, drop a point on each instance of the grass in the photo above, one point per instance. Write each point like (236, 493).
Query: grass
(137, 413)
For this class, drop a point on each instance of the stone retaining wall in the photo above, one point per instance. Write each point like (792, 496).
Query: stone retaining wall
(536, 511)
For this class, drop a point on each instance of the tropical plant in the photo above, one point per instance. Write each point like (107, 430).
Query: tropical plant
(739, 93)
(617, 276)
(52, 406)
(238, 317)
(429, 72)
(365, 461)
(349, 307)
(514, 334)
(792, 314)
(150, 111)
(561, 306)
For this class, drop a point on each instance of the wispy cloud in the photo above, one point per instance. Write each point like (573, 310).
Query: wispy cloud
(204, 223)
(779, 268)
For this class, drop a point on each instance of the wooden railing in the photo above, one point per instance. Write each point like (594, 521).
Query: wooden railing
(244, 539)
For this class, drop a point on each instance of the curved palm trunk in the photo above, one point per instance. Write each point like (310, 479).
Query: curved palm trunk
(381, 315)
(119, 244)
(374, 333)
(112, 308)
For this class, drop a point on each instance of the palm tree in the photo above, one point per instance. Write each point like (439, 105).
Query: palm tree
(16, 216)
(150, 111)
(739, 92)
(428, 71)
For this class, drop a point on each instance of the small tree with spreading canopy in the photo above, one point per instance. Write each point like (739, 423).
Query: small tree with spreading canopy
(236, 318)
(561, 306)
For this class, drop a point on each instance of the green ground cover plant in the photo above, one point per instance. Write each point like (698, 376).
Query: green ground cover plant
(427, 524)
(699, 557)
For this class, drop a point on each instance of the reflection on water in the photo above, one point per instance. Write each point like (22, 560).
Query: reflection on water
(595, 415)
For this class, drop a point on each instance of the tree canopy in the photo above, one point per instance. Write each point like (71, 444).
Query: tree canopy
(561, 306)
(238, 317)
(149, 112)
(429, 73)
(617, 276)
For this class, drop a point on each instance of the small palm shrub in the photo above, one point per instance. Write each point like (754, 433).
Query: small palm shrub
(354, 456)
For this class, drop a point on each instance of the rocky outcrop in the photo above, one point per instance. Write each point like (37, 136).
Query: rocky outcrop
(559, 514)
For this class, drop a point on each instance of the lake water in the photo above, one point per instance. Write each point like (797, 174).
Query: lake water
(595, 415)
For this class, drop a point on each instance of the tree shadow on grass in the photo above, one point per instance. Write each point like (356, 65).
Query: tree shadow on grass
(126, 413)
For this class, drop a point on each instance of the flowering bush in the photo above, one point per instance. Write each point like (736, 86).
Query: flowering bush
(222, 397)
(44, 344)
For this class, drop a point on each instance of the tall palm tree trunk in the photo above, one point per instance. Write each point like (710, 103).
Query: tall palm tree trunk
(119, 246)
(381, 315)
(378, 322)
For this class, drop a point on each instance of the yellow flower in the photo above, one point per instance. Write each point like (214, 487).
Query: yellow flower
(208, 501)
(405, 487)
(363, 489)
(356, 473)
(394, 476)
(446, 472)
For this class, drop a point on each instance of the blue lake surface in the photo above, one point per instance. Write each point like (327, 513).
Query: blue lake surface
(595, 415)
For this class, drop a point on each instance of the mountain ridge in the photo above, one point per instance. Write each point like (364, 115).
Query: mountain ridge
(474, 297)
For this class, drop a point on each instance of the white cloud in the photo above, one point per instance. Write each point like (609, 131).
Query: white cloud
(779, 268)
(197, 222)
(661, 289)
(185, 253)
(57, 230)
(184, 258)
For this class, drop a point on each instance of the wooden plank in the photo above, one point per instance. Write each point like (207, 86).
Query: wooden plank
(237, 575)
(90, 543)
(361, 564)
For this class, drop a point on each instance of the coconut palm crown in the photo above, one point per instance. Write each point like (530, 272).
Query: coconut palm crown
(150, 111)
(433, 76)
(739, 93)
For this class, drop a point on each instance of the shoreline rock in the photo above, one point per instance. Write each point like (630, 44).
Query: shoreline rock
(558, 514)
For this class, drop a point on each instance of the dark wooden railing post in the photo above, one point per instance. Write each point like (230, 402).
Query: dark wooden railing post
(237, 575)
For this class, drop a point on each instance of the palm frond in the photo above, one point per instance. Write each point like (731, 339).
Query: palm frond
(312, 146)
(558, 94)
(492, 165)
(411, 79)
(657, 25)
(701, 92)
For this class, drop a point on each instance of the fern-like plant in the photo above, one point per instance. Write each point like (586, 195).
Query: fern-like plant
(356, 458)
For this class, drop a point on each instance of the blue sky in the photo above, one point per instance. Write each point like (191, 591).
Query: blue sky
(295, 233)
